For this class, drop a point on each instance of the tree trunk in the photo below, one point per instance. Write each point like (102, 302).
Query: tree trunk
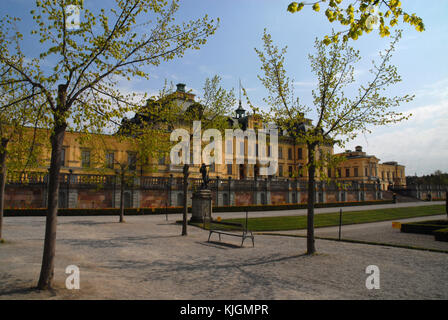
(57, 139)
(122, 196)
(4, 144)
(311, 200)
(185, 212)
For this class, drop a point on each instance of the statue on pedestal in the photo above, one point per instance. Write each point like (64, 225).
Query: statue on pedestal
(201, 208)
(205, 177)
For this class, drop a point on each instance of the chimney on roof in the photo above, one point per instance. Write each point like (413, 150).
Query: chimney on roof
(180, 87)
(358, 149)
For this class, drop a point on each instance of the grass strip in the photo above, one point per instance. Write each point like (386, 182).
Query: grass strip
(321, 220)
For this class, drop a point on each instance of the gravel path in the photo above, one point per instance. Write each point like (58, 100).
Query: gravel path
(146, 258)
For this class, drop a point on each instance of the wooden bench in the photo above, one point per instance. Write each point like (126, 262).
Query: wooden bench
(243, 235)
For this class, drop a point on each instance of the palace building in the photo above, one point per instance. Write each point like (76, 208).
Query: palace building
(292, 158)
(359, 166)
(86, 183)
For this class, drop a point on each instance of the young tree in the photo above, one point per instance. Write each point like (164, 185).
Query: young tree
(362, 16)
(88, 59)
(339, 118)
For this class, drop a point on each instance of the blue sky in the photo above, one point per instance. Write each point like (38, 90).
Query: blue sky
(421, 143)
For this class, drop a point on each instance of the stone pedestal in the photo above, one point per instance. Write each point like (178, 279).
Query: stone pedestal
(201, 206)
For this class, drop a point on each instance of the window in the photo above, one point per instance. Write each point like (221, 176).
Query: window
(229, 147)
(280, 152)
(289, 154)
(366, 172)
(290, 171)
(85, 158)
(63, 157)
(347, 172)
(339, 173)
(300, 170)
(229, 169)
(299, 154)
(356, 172)
(269, 151)
(110, 160)
(280, 170)
(132, 161)
(329, 173)
(162, 160)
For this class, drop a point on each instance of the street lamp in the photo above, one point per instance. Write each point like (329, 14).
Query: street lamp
(70, 172)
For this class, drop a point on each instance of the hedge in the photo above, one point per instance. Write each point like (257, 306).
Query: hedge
(438, 228)
(441, 234)
(91, 212)
(171, 210)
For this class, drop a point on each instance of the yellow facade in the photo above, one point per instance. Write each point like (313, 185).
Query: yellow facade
(361, 167)
(81, 157)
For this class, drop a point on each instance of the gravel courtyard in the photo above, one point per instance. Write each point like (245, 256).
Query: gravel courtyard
(146, 258)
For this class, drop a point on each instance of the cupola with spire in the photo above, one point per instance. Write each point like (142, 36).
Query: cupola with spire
(240, 112)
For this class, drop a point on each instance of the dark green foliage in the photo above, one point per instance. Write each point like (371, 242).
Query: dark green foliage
(441, 234)
(424, 227)
(91, 212)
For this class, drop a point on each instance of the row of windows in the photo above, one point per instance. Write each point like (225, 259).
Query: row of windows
(290, 151)
(132, 163)
(86, 161)
(348, 172)
(280, 151)
(390, 174)
(110, 157)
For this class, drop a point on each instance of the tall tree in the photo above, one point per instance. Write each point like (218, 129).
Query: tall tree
(88, 60)
(361, 16)
(339, 118)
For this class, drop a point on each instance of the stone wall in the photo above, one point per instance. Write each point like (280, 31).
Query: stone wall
(25, 196)
(94, 198)
(84, 191)
(154, 198)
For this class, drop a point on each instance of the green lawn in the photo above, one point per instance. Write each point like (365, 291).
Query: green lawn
(332, 219)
